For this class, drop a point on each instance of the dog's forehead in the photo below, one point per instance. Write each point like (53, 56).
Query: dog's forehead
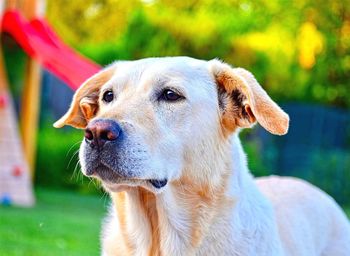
(158, 71)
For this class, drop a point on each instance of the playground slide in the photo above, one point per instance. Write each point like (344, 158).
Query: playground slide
(39, 41)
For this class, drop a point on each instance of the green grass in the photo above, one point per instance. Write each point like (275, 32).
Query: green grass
(61, 223)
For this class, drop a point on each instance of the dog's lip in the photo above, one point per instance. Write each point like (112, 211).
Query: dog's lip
(155, 186)
(118, 180)
(156, 183)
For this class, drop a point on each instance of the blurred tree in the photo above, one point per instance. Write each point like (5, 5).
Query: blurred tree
(299, 50)
(89, 21)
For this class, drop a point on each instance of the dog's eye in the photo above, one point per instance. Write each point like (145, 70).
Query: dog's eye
(108, 96)
(170, 95)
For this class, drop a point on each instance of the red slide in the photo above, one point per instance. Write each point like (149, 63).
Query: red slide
(39, 41)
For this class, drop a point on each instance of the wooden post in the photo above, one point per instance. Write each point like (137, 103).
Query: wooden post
(11, 4)
(31, 94)
(3, 80)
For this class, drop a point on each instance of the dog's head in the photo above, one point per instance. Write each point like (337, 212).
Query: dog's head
(147, 121)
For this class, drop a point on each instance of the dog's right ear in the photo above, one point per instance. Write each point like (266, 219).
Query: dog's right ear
(84, 105)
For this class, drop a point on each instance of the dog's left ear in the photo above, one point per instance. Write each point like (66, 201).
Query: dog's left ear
(242, 101)
(84, 105)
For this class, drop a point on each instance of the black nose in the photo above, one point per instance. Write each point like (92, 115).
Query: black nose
(100, 131)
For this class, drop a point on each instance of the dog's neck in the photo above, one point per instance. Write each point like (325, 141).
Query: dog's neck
(177, 220)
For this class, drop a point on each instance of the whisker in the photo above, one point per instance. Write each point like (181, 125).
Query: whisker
(72, 147)
(70, 160)
(76, 172)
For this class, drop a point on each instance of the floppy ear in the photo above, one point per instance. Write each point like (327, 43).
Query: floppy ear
(243, 101)
(84, 105)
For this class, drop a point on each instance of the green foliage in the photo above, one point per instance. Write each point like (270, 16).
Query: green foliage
(60, 222)
(299, 50)
(142, 39)
(57, 160)
(89, 21)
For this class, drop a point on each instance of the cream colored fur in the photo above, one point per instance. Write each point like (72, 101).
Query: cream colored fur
(211, 204)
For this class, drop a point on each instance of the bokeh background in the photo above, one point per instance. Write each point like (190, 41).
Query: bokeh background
(298, 50)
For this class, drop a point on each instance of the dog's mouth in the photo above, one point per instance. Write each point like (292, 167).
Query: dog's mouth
(154, 186)
(115, 182)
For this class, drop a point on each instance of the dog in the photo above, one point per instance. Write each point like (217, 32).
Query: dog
(161, 134)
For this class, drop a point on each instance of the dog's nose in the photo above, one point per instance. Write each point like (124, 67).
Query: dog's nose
(100, 131)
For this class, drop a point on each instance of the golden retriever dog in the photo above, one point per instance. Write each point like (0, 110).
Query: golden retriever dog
(161, 134)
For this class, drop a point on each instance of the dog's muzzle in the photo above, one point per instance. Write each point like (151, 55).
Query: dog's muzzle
(104, 151)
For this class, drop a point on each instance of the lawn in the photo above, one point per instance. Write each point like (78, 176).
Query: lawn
(61, 222)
